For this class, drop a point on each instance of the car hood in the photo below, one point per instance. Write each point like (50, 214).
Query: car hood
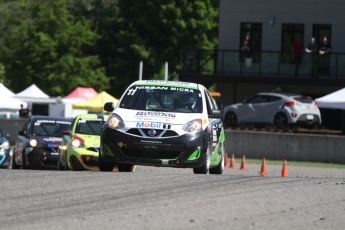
(90, 140)
(156, 116)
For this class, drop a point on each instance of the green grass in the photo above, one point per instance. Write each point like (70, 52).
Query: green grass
(292, 163)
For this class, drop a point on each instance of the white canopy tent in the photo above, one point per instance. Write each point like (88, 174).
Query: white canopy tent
(33, 94)
(8, 102)
(4, 91)
(335, 100)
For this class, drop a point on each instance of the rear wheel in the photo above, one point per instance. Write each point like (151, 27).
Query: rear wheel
(220, 167)
(105, 166)
(230, 119)
(125, 167)
(206, 166)
(281, 121)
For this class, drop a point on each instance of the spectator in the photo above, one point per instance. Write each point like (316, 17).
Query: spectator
(24, 112)
(312, 49)
(324, 51)
(297, 48)
(248, 55)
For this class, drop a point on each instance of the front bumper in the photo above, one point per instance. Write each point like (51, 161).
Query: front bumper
(187, 151)
(42, 157)
(83, 158)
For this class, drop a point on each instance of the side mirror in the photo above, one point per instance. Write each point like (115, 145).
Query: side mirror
(22, 133)
(109, 106)
(215, 113)
(8, 136)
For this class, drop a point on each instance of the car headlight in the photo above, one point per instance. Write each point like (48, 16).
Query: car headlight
(77, 143)
(115, 122)
(5, 145)
(193, 126)
(33, 142)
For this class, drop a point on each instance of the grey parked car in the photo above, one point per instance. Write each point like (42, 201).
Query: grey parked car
(279, 109)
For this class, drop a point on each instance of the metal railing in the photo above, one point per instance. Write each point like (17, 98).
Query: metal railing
(264, 63)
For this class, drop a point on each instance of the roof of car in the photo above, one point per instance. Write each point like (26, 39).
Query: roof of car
(93, 115)
(279, 93)
(168, 83)
(41, 117)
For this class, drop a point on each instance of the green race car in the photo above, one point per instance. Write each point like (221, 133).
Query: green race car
(80, 145)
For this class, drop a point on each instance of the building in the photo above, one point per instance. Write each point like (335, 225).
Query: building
(272, 26)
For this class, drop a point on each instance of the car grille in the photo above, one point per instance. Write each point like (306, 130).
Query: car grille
(51, 149)
(151, 155)
(159, 133)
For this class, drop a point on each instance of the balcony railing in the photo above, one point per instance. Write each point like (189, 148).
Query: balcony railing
(265, 63)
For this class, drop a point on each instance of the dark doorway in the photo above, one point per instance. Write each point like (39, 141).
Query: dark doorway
(40, 109)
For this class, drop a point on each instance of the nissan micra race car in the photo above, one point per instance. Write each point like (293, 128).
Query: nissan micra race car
(163, 123)
(80, 145)
(38, 142)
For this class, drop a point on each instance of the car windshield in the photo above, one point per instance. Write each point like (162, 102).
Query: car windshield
(49, 127)
(162, 98)
(89, 126)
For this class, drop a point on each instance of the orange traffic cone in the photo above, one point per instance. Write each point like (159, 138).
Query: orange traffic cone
(285, 172)
(226, 160)
(232, 162)
(263, 167)
(243, 164)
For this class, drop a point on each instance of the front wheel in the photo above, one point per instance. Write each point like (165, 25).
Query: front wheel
(220, 167)
(206, 166)
(230, 119)
(13, 161)
(105, 166)
(61, 167)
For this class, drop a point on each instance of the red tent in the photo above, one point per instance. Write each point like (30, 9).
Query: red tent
(82, 92)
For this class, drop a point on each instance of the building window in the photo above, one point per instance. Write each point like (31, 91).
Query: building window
(253, 31)
(290, 33)
(320, 31)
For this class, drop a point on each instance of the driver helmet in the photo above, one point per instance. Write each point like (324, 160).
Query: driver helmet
(187, 99)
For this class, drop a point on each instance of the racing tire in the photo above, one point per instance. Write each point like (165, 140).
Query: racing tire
(125, 167)
(66, 163)
(206, 166)
(230, 119)
(24, 166)
(105, 166)
(220, 167)
(59, 166)
(13, 162)
(281, 120)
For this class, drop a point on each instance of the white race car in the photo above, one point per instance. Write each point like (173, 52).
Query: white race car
(163, 123)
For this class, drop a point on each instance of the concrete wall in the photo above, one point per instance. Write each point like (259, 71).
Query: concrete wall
(289, 146)
(12, 127)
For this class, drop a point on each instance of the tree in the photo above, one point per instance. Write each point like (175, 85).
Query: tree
(49, 50)
(150, 31)
(157, 31)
